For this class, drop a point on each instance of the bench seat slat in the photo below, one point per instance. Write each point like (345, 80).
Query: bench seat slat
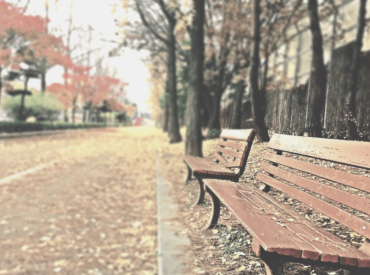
(314, 240)
(238, 146)
(207, 166)
(349, 152)
(335, 194)
(271, 236)
(311, 248)
(230, 152)
(355, 181)
(242, 135)
(335, 213)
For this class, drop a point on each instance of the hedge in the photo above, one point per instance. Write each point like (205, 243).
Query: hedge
(20, 126)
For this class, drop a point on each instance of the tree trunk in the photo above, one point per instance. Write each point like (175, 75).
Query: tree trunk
(89, 117)
(318, 75)
(74, 109)
(264, 85)
(216, 99)
(236, 120)
(84, 116)
(21, 109)
(43, 82)
(257, 113)
(66, 116)
(193, 144)
(216, 114)
(173, 121)
(1, 85)
(353, 75)
(166, 109)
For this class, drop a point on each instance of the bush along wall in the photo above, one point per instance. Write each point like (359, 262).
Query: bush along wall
(20, 126)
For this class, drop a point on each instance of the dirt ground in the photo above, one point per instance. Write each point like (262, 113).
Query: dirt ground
(92, 212)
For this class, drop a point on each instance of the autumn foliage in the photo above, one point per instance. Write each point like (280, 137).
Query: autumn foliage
(92, 90)
(26, 39)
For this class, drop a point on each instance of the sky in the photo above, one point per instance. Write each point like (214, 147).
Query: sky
(97, 14)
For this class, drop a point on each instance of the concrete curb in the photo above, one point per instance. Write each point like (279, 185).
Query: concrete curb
(169, 244)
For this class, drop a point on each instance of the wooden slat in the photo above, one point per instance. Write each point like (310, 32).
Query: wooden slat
(207, 166)
(220, 158)
(348, 254)
(327, 209)
(236, 163)
(348, 152)
(335, 194)
(328, 253)
(355, 181)
(311, 248)
(365, 248)
(271, 236)
(238, 146)
(245, 135)
(230, 152)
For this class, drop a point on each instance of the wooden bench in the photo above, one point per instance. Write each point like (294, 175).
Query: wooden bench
(337, 188)
(226, 163)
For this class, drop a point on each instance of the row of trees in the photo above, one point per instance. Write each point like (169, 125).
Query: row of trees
(227, 41)
(26, 40)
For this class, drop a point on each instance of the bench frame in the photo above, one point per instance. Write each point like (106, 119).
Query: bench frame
(225, 135)
(274, 262)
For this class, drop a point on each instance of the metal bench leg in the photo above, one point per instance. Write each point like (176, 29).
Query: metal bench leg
(216, 207)
(273, 263)
(202, 192)
(190, 173)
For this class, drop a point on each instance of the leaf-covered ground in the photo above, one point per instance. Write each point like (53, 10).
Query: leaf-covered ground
(91, 212)
(92, 209)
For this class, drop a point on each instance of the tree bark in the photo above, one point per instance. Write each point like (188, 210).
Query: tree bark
(218, 91)
(173, 121)
(193, 144)
(264, 85)
(65, 115)
(236, 120)
(21, 109)
(74, 106)
(318, 75)
(166, 109)
(350, 114)
(43, 82)
(84, 116)
(1, 85)
(216, 114)
(258, 118)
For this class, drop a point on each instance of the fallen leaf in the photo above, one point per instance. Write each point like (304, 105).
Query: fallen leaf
(242, 268)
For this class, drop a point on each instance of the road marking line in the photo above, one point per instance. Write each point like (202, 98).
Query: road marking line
(26, 172)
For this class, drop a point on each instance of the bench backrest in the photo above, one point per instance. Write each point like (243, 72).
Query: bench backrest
(332, 172)
(233, 148)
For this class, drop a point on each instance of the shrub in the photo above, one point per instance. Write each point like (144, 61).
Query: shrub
(20, 126)
(44, 107)
(213, 133)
